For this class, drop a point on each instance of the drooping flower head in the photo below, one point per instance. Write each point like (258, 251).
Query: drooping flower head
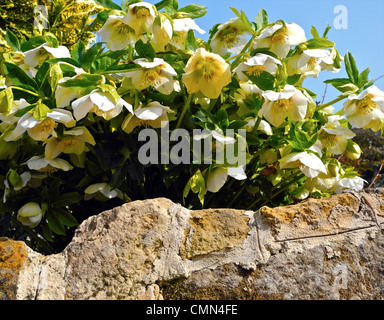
(140, 17)
(333, 136)
(37, 55)
(180, 31)
(157, 74)
(279, 38)
(206, 72)
(308, 163)
(255, 65)
(117, 34)
(365, 110)
(290, 102)
(162, 32)
(231, 36)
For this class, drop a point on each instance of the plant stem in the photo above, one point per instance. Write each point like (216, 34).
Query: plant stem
(25, 90)
(322, 106)
(237, 61)
(257, 124)
(184, 111)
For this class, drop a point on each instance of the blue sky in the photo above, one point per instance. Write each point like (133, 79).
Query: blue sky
(363, 37)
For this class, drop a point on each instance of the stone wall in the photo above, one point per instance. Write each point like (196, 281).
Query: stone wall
(331, 248)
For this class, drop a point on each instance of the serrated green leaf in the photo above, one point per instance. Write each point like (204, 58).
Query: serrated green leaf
(145, 50)
(261, 19)
(265, 81)
(12, 40)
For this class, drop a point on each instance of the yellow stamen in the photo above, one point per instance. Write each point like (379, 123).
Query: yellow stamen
(151, 77)
(48, 169)
(365, 105)
(46, 126)
(280, 35)
(256, 70)
(283, 105)
(142, 13)
(231, 40)
(327, 139)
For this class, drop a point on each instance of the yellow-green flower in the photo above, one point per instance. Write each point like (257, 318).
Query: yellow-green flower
(140, 17)
(207, 73)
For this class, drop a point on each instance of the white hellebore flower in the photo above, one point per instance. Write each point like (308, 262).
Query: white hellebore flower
(140, 17)
(246, 91)
(290, 103)
(309, 62)
(279, 39)
(64, 95)
(154, 115)
(162, 32)
(40, 130)
(333, 136)
(264, 126)
(158, 74)
(365, 110)
(180, 31)
(101, 191)
(231, 36)
(254, 66)
(100, 104)
(42, 164)
(37, 55)
(25, 177)
(345, 184)
(30, 214)
(218, 177)
(308, 163)
(117, 34)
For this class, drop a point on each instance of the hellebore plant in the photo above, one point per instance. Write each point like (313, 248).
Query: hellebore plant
(71, 117)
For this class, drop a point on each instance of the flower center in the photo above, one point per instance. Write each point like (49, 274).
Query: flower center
(142, 13)
(256, 70)
(312, 62)
(48, 169)
(209, 68)
(280, 35)
(151, 77)
(365, 105)
(283, 105)
(231, 40)
(46, 126)
(121, 27)
(327, 139)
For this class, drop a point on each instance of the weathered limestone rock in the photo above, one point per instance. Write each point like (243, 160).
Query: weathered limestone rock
(330, 248)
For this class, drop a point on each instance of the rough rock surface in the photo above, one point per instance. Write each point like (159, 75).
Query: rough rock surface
(331, 248)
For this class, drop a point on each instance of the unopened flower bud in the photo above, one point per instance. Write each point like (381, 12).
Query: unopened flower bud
(13, 178)
(30, 214)
(333, 167)
(353, 150)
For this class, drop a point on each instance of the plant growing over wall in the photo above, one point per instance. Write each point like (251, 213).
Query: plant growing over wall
(87, 125)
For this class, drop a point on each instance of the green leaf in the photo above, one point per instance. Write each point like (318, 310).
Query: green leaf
(194, 11)
(145, 50)
(261, 19)
(55, 224)
(66, 218)
(265, 81)
(12, 40)
(122, 67)
(6, 101)
(190, 41)
(363, 78)
(196, 184)
(350, 67)
(78, 52)
(108, 4)
(293, 79)
(91, 54)
(326, 31)
(84, 81)
(67, 199)
(314, 32)
(319, 43)
(18, 76)
(40, 111)
(222, 118)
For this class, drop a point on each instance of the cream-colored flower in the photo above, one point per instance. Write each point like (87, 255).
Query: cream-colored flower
(308, 163)
(40, 163)
(279, 39)
(218, 176)
(73, 141)
(264, 126)
(162, 32)
(290, 103)
(157, 74)
(180, 31)
(345, 184)
(117, 34)
(206, 72)
(101, 191)
(41, 129)
(37, 55)
(328, 64)
(154, 115)
(365, 110)
(246, 91)
(255, 65)
(140, 17)
(30, 214)
(333, 136)
(309, 62)
(100, 104)
(231, 36)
